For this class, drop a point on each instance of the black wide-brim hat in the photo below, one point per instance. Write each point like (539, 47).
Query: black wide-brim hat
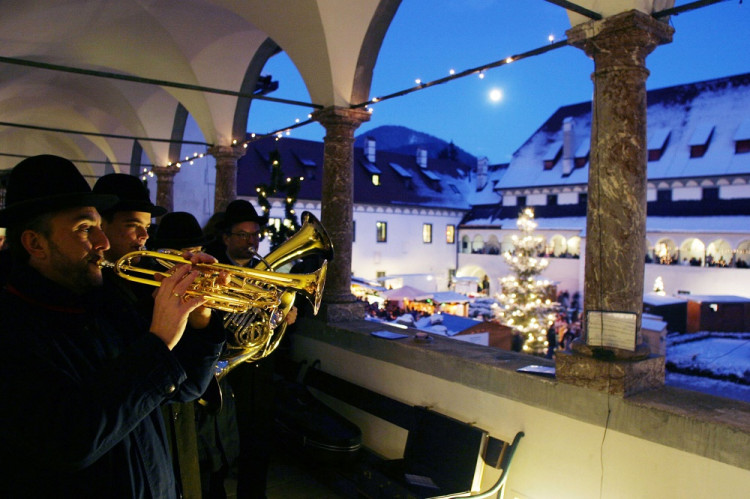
(131, 191)
(44, 184)
(178, 230)
(239, 211)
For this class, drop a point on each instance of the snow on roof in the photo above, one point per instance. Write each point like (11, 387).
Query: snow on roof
(657, 137)
(656, 299)
(400, 170)
(718, 298)
(701, 134)
(689, 112)
(371, 168)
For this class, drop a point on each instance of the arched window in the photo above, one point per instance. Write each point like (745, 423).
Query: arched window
(742, 256)
(692, 252)
(492, 247)
(719, 253)
(574, 247)
(477, 245)
(558, 246)
(665, 252)
(465, 244)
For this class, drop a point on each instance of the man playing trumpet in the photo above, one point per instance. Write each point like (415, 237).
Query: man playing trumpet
(83, 375)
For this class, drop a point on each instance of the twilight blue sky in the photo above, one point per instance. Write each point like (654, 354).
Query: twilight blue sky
(428, 38)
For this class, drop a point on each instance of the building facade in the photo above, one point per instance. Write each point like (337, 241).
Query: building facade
(698, 198)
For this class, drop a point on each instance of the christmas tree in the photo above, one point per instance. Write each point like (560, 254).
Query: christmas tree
(279, 185)
(524, 301)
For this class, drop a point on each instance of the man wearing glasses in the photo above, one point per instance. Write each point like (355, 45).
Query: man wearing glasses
(242, 231)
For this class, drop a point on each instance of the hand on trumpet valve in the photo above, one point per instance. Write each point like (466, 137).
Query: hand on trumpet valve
(201, 316)
(172, 305)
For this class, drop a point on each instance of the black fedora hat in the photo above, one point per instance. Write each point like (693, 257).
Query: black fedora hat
(239, 211)
(47, 183)
(178, 230)
(130, 190)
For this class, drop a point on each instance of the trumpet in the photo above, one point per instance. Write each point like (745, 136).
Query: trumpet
(247, 288)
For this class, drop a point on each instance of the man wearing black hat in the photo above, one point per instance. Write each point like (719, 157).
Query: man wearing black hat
(242, 230)
(253, 384)
(82, 376)
(126, 224)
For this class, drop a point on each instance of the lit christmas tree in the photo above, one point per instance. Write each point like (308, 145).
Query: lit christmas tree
(524, 301)
(279, 184)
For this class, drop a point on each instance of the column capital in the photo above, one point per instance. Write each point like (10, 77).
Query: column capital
(233, 152)
(165, 171)
(616, 40)
(338, 116)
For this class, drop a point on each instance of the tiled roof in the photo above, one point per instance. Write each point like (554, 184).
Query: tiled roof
(443, 184)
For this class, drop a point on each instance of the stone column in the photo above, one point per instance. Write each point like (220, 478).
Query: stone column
(616, 218)
(165, 185)
(226, 174)
(337, 201)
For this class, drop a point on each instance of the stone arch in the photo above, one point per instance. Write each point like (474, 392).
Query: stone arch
(742, 254)
(574, 246)
(477, 244)
(665, 251)
(692, 252)
(558, 246)
(492, 246)
(249, 83)
(719, 253)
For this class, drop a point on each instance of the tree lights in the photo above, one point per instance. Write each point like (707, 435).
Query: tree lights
(524, 301)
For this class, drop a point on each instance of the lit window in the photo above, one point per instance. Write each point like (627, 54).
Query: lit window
(382, 231)
(376, 180)
(450, 234)
(427, 233)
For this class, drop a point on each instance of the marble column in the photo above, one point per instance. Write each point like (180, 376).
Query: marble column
(165, 185)
(616, 218)
(337, 201)
(226, 174)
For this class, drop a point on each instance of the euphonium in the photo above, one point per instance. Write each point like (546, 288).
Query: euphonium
(255, 334)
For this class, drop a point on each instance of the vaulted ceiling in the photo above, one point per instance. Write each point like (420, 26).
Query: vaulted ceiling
(129, 67)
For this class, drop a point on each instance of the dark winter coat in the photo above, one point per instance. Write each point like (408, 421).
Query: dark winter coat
(82, 381)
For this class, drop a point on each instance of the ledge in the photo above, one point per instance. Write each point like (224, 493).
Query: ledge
(718, 428)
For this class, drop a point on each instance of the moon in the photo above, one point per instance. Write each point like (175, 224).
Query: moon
(496, 95)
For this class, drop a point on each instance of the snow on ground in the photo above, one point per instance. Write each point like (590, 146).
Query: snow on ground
(714, 363)
(719, 388)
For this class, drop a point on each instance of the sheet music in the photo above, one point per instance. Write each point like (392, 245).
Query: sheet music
(611, 329)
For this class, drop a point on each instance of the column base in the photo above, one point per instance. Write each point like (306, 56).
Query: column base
(341, 312)
(616, 377)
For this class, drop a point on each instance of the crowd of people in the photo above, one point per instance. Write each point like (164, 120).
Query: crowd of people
(93, 362)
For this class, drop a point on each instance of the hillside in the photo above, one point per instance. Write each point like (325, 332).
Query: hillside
(406, 141)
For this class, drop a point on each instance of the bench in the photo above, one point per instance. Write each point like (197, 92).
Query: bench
(456, 458)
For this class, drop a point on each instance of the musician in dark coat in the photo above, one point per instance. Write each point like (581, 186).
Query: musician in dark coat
(253, 384)
(81, 373)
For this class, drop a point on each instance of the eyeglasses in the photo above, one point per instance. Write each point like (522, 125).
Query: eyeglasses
(246, 236)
